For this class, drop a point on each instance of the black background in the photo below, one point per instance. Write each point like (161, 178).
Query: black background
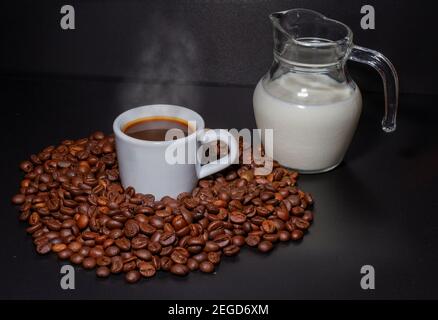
(379, 207)
(209, 41)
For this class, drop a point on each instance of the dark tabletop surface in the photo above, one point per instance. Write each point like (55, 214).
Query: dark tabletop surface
(380, 207)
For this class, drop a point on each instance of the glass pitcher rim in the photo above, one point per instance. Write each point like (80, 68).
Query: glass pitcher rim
(348, 39)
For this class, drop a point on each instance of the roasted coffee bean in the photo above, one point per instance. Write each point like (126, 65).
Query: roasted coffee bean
(179, 269)
(297, 211)
(147, 228)
(279, 224)
(224, 196)
(114, 224)
(64, 233)
(165, 263)
(123, 244)
(271, 237)
(296, 234)
(165, 251)
(213, 234)
(84, 251)
(289, 226)
(156, 222)
(308, 198)
(222, 240)
(131, 228)
(53, 225)
(103, 261)
(129, 265)
(58, 247)
(237, 217)
(247, 227)
(266, 195)
(195, 230)
(283, 214)
(75, 246)
(283, 235)
(206, 266)
(103, 272)
(294, 200)
(192, 264)
(26, 166)
(196, 241)
(252, 240)
(44, 248)
(143, 254)
(77, 258)
(132, 276)
(115, 233)
(257, 220)
(211, 246)
(231, 250)
(179, 255)
(89, 263)
(268, 226)
(146, 269)
(112, 251)
(183, 241)
(265, 246)
(187, 215)
(156, 261)
(194, 249)
(18, 199)
(178, 222)
(89, 235)
(139, 242)
(82, 221)
(302, 224)
(200, 257)
(163, 213)
(257, 231)
(145, 210)
(231, 176)
(107, 243)
(39, 233)
(116, 264)
(65, 254)
(127, 256)
(308, 216)
(96, 252)
(190, 203)
(56, 241)
(41, 240)
(154, 247)
(238, 240)
(214, 257)
(167, 238)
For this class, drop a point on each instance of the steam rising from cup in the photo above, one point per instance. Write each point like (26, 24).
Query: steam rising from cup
(165, 65)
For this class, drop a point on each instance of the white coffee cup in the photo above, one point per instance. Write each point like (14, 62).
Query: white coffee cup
(143, 165)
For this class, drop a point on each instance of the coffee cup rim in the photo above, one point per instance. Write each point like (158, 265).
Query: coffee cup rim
(117, 124)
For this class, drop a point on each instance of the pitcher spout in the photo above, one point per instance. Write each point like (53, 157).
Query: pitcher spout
(306, 37)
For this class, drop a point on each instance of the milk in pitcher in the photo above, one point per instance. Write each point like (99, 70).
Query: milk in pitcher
(313, 118)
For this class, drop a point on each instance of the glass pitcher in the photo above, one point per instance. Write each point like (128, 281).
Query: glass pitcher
(308, 97)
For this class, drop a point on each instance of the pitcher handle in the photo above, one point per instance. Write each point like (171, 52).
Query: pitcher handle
(390, 81)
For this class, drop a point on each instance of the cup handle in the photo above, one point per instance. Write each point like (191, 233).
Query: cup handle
(207, 136)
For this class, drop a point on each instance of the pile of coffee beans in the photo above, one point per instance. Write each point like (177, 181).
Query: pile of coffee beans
(75, 206)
